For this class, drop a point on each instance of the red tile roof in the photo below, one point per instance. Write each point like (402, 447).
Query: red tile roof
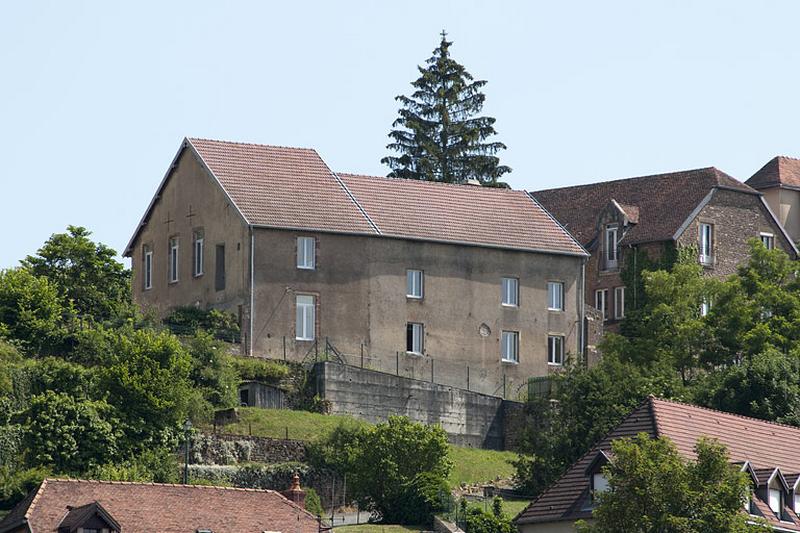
(140, 507)
(458, 213)
(293, 188)
(660, 204)
(765, 445)
(282, 187)
(778, 171)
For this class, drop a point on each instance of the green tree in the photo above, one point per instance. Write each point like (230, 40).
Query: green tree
(147, 381)
(212, 372)
(85, 273)
(68, 435)
(31, 313)
(653, 489)
(439, 135)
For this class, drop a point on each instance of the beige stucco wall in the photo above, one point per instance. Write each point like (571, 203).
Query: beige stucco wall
(191, 187)
(789, 211)
(360, 284)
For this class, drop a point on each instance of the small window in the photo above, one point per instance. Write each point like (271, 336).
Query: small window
(510, 296)
(509, 346)
(796, 501)
(555, 349)
(415, 334)
(555, 296)
(705, 307)
(599, 483)
(775, 500)
(768, 240)
(198, 254)
(306, 251)
(219, 273)
(611, 253)
(173, 260)
(414, 279)
(148, 267)
(304, 328)
(601, 302)
(706, 244)
(619, 303)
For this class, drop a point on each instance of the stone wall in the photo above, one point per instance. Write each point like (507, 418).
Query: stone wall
(266, 449)
(469, 418)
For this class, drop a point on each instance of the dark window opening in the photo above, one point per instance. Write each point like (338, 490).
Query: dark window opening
(244, 397)
(219, 278)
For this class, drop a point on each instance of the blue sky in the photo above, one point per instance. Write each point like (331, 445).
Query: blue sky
(95, 97)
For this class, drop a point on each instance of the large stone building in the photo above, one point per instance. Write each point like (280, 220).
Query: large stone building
(398, 272)
(704, 208)
(765, 450)
(779, 181)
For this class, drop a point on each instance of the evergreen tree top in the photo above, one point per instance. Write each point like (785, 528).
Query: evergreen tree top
(439, 134)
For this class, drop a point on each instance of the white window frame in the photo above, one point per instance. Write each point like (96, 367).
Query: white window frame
(619, 303)
(417, 338)
(775, 500)
(555, 350)
(199, 259)
(706, 243)
(415, 284)
(148, 268)
(599, 483)
(174, 249)
(768, 240)
(509, 288)
(509, 346)
(611, 251)
(796, 498)
(305, 317)
(306, 253)
(601, 302)
(555, 296)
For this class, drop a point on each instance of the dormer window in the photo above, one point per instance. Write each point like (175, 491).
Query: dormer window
(796, 502)
(776, 488)
(775, 499)
(610, 245)
(599, 483)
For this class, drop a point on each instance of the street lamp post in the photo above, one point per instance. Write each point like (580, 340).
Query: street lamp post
(187, 428)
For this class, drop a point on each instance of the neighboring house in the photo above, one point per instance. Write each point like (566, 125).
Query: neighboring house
(397, 270)
(703, 208)
(779, 181)
(80, 506)
(766, 450)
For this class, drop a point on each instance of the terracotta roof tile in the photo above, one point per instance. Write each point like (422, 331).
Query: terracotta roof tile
(282, 187)
(458, 213)
(140, 507)
(663, 202)
(766, 445)
(779, 170)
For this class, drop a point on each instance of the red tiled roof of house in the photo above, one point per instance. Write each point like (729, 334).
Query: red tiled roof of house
(780, 170)
(660, 203)
(163, 508)
(765, 445)
(282, 187)
(293, 188)
(458, 213)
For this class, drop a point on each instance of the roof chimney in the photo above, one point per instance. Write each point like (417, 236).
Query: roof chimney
(295, 493)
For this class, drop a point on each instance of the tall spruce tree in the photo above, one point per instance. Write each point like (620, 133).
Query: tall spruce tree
(439, 135)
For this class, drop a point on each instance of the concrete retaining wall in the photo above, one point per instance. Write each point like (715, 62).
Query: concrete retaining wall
(469, 418)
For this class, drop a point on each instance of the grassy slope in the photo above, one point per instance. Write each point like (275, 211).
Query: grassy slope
(471, 465)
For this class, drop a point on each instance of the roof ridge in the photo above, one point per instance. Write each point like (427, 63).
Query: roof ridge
(737, 415)
(35, 499)
(631, 178)
(261, 145)
(435, 183)
(153, 484)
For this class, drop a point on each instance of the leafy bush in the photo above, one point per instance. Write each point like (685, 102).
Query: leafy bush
(426, 495)
(189, 320)
(155, 466)
(15, 484)
(221, 475)
(479, 521)
(68, 434)
(31, 312)
(276, 476)
(313, 503)
(212, 371)
(254, 369)
(10, 445)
